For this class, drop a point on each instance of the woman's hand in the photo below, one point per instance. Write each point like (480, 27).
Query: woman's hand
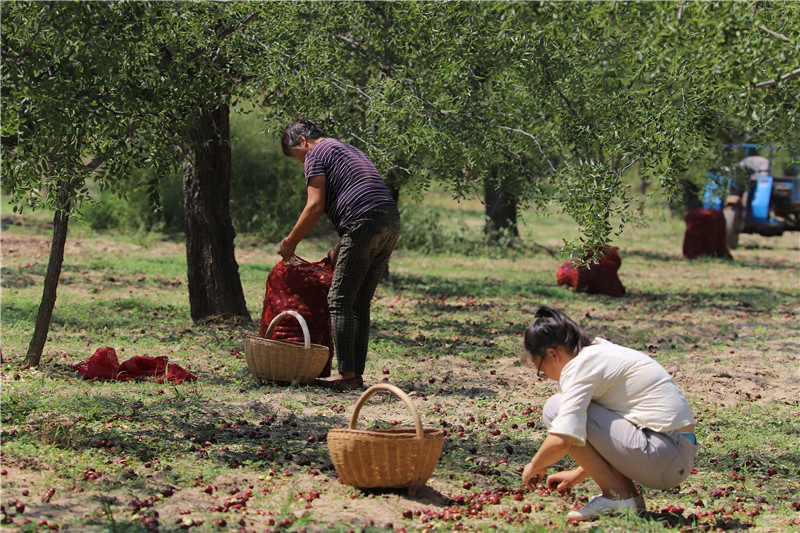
(333, 253)
(286, 249)
(553, 448)
(564, 481)
(531, 476)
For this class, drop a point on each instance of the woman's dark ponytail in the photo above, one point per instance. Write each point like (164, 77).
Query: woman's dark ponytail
(551, 328)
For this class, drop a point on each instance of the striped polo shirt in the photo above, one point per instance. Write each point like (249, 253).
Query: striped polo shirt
(352, 182)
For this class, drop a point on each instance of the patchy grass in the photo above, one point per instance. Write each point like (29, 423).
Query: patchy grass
(225, 454)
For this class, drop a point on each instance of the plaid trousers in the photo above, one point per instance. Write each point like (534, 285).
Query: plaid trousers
(366, 247)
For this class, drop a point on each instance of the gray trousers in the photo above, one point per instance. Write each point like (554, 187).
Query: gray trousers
(366, 247)
(653, 459)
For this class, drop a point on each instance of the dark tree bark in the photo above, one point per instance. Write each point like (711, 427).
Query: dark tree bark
(49, 292)
(215, 289)
(501, 211)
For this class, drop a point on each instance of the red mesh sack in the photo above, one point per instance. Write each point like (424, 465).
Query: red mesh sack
(139, 366)
(158, 368)
(601, 278)
(705, 234)
(103, 364)
(302, 286)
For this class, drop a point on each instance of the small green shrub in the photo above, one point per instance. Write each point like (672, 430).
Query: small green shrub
(267, 188)
(137, 211)
(424, 230)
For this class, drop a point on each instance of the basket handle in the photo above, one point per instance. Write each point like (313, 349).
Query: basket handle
(399, 393)
(299, 317)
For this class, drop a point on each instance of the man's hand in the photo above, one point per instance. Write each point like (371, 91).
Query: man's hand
(531, 476)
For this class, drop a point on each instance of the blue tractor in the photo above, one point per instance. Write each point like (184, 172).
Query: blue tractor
(752, 198)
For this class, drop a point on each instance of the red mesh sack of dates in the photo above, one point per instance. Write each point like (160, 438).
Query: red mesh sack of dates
(601, 278)
(299, 285)
(705, 234)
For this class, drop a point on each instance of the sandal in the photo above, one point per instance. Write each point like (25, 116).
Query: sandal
(341, 384)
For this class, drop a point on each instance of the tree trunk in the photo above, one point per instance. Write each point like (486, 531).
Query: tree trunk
(215, 289)
(42, 328)
(501, 211)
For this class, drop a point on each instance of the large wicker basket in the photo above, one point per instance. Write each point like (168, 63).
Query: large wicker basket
(385, 458)
(274, 360)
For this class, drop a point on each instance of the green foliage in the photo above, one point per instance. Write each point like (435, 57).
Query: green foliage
(267, 188)
(550, 93)
(75, 78)
(96, 88)
(593, 202)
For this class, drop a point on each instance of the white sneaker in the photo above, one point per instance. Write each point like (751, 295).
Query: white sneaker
(600, 505)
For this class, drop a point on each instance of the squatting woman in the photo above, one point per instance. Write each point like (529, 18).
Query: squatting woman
(619, 415)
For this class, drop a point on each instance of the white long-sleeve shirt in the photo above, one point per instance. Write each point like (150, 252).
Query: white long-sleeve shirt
(624, 381)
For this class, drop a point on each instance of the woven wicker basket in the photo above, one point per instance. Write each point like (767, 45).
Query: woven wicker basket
(274, 360)
(385, 458)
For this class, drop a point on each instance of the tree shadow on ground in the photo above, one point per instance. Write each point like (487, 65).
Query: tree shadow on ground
(749, 246)
(670, 519)
(441, 286)
(208, 431)
(741, 299)
(424, 495)
(660, 257)
(674, 520)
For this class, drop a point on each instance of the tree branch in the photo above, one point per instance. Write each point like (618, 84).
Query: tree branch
(560, 93)
(221, 35)
(387, 69)
(501, 127)
(95, 163)
(535, 139)
(629, 165)
(341, 85)
(775, 33)
(769, 83)
(49, 70)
